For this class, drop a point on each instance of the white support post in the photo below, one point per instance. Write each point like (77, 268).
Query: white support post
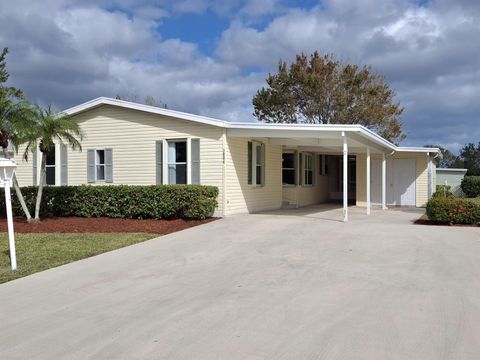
(345, 178)
(368, 180)
(11, 239)
(384, 182)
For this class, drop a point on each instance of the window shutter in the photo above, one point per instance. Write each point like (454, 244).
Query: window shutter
(250, 162)
(195, 158)
(262, 154)
(63, 164)
(91, 165)
(301, 175)
(108, 166)
(159, 161)
(34, 167)
(295, 166)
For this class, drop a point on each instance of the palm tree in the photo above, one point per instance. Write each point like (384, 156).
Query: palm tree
(46, 129)
(15, 116)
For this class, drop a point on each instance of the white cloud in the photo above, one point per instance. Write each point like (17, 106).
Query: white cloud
(67, 51)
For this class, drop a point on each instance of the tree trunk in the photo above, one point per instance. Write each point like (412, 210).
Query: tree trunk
(40, 187)
(18, 192)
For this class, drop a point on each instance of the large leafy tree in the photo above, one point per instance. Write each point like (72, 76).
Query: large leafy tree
(15, 117)
(447, 159)
(47, 129)
(322, 90)
(470, 155)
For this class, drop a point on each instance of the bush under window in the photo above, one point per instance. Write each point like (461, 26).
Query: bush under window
(121, 201)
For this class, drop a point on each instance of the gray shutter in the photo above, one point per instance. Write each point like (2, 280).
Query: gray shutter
(34, 167)
(195, 158)
(300, 169)
(262, 154)
(159, 162)
(250, 162)
(91, 165)
(295, 166)
(108, 166)
(63, 165)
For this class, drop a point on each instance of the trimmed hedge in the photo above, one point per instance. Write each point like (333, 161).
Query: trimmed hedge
(120, 201)
(453, 210)
(471, 186)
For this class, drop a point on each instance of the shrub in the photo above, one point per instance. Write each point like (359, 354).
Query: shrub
(453, 210)
(442, 191)
(121, 201)
(471, 186)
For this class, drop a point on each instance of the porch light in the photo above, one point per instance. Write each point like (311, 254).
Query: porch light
(7, 169)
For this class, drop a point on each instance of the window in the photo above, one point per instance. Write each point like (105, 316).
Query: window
(308, 169)
(256, 163)
(50, 168)
(288, 168)
(100, 165)
(177, 161)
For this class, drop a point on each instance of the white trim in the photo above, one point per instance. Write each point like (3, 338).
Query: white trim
(452, 170)
(252, 129)
(189, 160)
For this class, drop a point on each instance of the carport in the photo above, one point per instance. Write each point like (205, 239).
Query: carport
(347, 141)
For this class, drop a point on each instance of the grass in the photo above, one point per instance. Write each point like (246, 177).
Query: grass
(38, 252)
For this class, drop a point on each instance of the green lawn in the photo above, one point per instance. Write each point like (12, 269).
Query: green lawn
(38, 252)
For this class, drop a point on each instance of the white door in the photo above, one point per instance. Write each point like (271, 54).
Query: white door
(403, 182)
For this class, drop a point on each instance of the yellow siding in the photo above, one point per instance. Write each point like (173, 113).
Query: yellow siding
(24, 171)
(132, 135)
(421, 185)
(243, 197)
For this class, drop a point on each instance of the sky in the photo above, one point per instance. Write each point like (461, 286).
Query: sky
(210, 57)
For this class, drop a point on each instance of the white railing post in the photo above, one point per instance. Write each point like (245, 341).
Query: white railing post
(345, 178)
(384, 182)
(11, 238)
(368, 181)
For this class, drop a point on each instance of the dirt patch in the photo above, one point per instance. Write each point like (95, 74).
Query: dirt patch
(437, 223)
(101, 225)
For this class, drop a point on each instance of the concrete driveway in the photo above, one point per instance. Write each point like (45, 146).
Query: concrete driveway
(294, 284)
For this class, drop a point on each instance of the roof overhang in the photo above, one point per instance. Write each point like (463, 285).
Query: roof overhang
(321, 135)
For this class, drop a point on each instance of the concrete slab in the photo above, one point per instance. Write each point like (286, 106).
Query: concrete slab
(290, 284)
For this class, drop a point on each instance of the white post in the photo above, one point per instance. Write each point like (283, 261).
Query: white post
(368, 180)
(345, 178)
(11, 239)
(384, 182)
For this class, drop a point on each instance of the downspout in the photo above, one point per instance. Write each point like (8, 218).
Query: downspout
(224, 173)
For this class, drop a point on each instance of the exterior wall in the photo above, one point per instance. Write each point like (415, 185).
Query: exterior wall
(421, 172)
(24, 171)
(305, 195)
(132, 135)
(242, 197)
(452, 177)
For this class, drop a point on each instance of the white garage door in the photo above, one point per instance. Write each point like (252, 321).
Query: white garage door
(404, 182)
(400, 182)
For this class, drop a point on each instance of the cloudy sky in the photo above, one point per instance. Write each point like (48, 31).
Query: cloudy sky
(209, 57)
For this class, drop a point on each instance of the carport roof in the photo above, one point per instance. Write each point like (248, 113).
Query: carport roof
(359, 132)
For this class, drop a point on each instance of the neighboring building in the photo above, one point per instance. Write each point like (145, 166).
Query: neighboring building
(452, 178)
(256, 166)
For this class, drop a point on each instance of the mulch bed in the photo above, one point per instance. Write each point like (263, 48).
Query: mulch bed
(101, 225)
(437, 223)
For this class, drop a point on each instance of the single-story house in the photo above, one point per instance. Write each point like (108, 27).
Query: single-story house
(452, 178)
(256, 166)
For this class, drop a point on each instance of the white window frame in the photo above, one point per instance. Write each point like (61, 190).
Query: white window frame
(255, 164)
(295, 161)
(96, 164)
(305, 157)
(165, 161)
